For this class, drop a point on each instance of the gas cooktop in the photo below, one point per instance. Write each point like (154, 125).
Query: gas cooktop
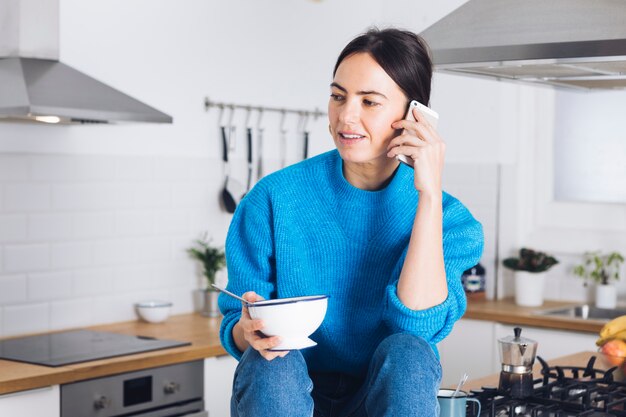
(562, 391)
(64, 348)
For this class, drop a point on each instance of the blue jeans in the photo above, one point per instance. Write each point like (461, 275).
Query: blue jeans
(401, 381)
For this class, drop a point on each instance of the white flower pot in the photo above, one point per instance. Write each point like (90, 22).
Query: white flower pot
(606, 296)
(529, 288)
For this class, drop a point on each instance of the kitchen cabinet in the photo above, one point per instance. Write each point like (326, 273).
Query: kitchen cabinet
(468, 348)
(472, 347)
(218, 381)
(41, 402)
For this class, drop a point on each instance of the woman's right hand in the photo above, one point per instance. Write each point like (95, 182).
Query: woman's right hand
(252, 331)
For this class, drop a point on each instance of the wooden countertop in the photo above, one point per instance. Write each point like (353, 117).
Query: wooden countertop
(578, 359)
(202, 332)
(506, 311)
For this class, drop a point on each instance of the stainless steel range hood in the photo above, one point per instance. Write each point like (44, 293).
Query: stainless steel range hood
(36, 87)
(566, 43)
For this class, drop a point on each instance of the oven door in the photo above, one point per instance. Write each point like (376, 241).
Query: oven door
(167, 391)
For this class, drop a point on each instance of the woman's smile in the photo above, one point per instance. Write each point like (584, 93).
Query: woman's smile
(350, 138)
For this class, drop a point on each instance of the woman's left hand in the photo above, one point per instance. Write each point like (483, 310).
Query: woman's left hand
(420, 142)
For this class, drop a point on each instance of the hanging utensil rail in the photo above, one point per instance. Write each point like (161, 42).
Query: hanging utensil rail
(208, 104)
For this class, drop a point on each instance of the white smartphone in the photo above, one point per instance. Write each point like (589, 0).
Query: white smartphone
(429, 114)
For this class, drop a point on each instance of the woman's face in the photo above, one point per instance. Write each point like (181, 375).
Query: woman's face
(364, 102)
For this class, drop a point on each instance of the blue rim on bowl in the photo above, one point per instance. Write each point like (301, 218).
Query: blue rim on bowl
(153, 304)
(279, 301)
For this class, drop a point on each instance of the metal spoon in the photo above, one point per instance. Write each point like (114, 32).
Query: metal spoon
(231, 294)
(461, 383)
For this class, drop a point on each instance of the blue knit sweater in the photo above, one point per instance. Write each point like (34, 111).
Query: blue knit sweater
(305, 230)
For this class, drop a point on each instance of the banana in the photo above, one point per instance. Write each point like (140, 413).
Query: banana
(621, 335)
(614, 326)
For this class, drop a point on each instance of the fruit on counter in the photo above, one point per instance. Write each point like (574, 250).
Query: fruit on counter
(621, 335)
(613, 327)
(615, 350)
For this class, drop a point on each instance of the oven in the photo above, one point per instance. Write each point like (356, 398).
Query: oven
(167, 391)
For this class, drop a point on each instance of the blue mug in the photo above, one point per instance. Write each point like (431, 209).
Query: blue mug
(450, 406)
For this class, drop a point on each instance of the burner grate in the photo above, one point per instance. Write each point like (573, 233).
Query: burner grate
(561, 391)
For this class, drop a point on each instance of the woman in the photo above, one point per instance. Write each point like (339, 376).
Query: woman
(382, 239)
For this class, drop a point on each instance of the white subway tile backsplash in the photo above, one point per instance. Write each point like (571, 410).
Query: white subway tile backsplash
(190, 195)
(200, 219)
(201, 169)
(14, 167)
(173, 169)
(49, 226)
(179, 246)
(71, 254)
(181, 273)
(49, 285)
(26, 257)
(26, 318)
(182, 299)
(74, 168)
(12, 289)
(112, 252)
(92, 281)
(136, 277)
(130, 168)
(26, 197)
(84, 237)
(153, 195)
(112, 308)
(93, 196)
(93, 225)
(153, 249)
(71, 313)
(12, 228)
(172, 221)
(134, 223)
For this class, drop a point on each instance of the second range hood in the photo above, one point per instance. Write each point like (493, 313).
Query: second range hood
(577, 44)
(36, 87)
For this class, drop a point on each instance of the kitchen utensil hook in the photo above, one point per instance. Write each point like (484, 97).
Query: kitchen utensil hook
(221, 116)
(259, 119)
(231, 129)
(283, 139)
(248, 118)
(259, 131)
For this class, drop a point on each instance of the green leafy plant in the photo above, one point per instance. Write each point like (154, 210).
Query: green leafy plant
(213, 258)
(531, 261)
(600, 268)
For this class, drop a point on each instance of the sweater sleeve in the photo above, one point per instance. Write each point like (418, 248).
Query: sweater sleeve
(250, 263)
(462, 248)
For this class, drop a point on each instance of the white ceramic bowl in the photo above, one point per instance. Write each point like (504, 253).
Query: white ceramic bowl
(292, 319)
(154, 311)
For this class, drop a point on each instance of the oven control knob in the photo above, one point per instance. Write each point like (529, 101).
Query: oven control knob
(171, 388)
(101, 402)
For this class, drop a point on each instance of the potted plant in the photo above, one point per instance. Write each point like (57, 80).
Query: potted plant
(213, 259)
(602, 268)
(530, 271)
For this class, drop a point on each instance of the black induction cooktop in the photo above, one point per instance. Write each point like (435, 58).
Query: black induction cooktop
(64, 348)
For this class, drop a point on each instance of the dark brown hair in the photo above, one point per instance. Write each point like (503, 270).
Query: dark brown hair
(403, 55)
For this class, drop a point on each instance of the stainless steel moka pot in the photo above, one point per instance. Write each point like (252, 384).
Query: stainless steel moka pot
(517, 355)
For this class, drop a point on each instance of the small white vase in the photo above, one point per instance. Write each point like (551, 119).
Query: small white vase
(529, 288)
(606, 296)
